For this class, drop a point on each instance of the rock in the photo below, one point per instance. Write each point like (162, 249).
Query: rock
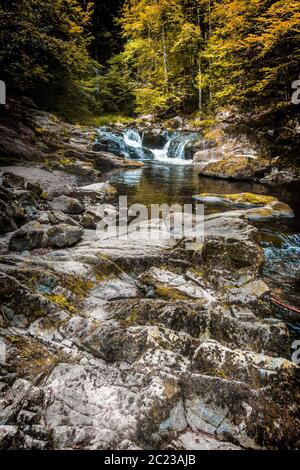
(7, 312)
(280, 177)
(63, 235)
(34, 187)
(103, 159)
(237, 168)
(174, 123)
(258, 207)
(98, 190)
(58, 217)
(169, 285)
(24, 197)
(7, 434)
(68, 205)
(15, 210)
(7, 224)
(154, 139)
(205, 156)
(90, 219)
(28, 237)
(80, 168)
(231, 244)
(11, 180)
(138, 343)
(201, 441)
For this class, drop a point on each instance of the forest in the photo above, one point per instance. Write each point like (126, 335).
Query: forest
(85, 58)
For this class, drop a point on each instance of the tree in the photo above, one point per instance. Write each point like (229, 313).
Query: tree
(44, 49)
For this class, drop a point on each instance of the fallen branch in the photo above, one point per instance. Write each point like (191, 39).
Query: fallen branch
(285, 306)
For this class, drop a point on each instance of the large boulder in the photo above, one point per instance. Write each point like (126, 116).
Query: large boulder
(68, 205)
(62, 235)
(231, 244)
(236, 168)
(28, 237)
(231, 158)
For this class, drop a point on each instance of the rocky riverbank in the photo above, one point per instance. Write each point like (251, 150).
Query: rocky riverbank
(132, 344)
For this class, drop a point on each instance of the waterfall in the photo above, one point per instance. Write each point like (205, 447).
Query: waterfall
(129, 144)
(133, 138)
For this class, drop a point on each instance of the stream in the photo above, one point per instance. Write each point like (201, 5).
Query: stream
(169, 176)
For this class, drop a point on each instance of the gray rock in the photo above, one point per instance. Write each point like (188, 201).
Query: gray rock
(68, 205)
(28, 237)
(10, 180)
(58, 217)
(64, 235)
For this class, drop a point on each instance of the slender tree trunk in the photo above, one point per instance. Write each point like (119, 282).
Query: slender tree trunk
(209, 35)
(200, 87)
(199, 67)
(165, 54)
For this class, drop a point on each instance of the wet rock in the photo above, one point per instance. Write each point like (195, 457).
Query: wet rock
(279, 177)
(63, 235)
(28, 237)
(258, 207)
(154, 139)
(11, 180)
(68, 205)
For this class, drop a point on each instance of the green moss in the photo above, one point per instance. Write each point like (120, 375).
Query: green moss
(61, 301)
(33, 358)
(132, 317)
(79, 286)
(196, 271)
(169, 294)
(40, 131)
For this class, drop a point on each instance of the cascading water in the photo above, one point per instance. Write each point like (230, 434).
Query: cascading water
(282, 264)
(133, 138)
(284, 258)
(129, 144)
